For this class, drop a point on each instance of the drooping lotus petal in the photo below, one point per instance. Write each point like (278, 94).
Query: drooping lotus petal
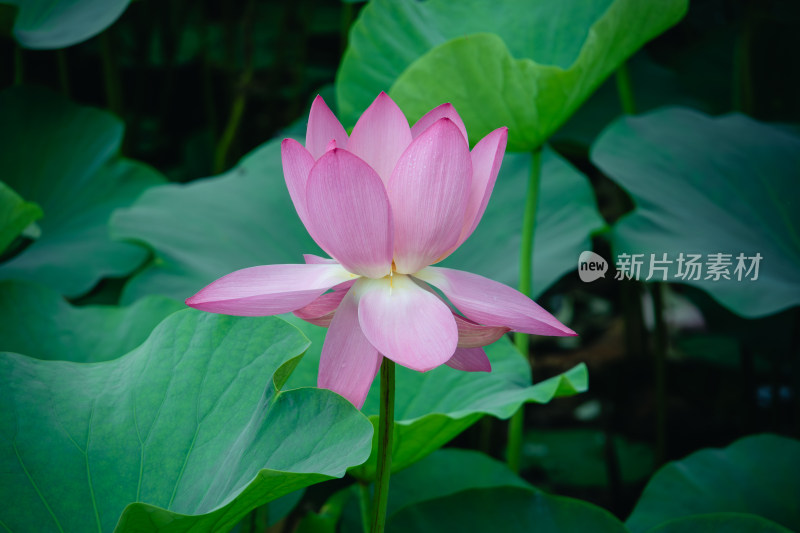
(268, 290)
(297, 163)
(349, 362)
(428, 192)
(486, 159)
(323, 127)
(442, 111)
(472, 335)
(380, 136)
(320, 312)
(470, 360)
(350, 213)
(493, 304)
(405, 322)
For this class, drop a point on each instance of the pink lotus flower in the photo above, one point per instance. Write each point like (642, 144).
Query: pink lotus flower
(386, 203)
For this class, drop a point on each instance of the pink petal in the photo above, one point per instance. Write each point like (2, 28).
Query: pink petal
(349, 362)
(472, 335)
(405, 322)
(470, 360)
(268, 290)
(493, 304)
(428, 192)
(320, 312)
(297, 163)
(443, 111)
(350, 213)
(486, 159)
(380, 136)
(323, 127)
(312, 259)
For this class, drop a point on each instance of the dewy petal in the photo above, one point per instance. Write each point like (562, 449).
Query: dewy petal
(472, 335)
(428, 192)
(470, 360)
(297, 163)
(442, 111)
(493, 304)
(268, 290)
(486, 159)
(350, 213)
(323, 127)
(349, 362)
(320, 312)
(406, 323)
(380, 136)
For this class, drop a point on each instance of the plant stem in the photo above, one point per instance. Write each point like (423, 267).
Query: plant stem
(625, 90)
(111, 74)
(385, 435)
(63, 71)
(521, 340)
(526, 246)
(19, 65)
(364, 504)
(514, 446)
(660, 351)
(240, 98)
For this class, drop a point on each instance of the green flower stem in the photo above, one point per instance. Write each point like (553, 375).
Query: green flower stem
(111, 74)
(385, 435)
(521, 340)
(19, 65)
(625, 90)
(364, 505)
(63, 72)
(660, 349)
(240, 98)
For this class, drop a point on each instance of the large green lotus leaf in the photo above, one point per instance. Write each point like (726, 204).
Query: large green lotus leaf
(47, 24)
(38, 322)
(706, 185)
(65, 157)
(431, 408)
(754, 475)
(505, 510)
(442, 473)
(720, 523)
(577, 457)
(565, 219)
(204, 230)
(445, 472)
(525, 65)
(15, 215)
(189, 431)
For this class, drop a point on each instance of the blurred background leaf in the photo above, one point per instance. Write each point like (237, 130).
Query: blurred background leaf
(65, 157)
(706, 185)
